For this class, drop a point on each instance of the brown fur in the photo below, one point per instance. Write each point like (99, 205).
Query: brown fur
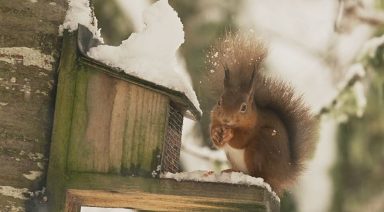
(277, 130)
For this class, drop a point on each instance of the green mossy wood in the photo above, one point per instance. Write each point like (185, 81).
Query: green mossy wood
(116, 126)
(110, 126)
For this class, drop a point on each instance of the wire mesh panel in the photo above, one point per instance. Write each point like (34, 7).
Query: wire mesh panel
(171, 153)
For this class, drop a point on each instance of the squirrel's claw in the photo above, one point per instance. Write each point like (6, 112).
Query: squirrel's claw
(206, 174)
(227, 135)
(217, 136)
(229, 170)
(221, 135)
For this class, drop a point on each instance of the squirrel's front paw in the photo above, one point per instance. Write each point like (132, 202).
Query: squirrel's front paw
(217, 136)
(227, 134)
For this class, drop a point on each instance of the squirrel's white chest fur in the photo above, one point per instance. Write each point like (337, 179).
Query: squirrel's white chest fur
(236, 157)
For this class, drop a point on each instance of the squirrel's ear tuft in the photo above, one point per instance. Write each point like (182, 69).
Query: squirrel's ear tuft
(252, 76)
(252, 85)
(226, 76)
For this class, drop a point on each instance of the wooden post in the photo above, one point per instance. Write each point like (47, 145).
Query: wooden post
(57, 170)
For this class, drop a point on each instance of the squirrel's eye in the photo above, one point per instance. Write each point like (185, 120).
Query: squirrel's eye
(243, 107)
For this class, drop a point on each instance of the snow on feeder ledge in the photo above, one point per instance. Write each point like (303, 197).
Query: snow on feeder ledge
(114, 133)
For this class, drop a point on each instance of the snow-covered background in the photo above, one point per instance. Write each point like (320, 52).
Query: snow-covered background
(316, 46)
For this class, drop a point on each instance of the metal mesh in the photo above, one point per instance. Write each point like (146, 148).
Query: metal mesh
(171, 154)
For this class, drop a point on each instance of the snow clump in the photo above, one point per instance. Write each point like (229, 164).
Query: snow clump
(79, 12)
(223, 177)
(150, 54)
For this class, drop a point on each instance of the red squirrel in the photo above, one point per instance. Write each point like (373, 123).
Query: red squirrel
(263, 126)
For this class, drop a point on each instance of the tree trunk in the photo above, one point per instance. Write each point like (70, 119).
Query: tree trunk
(29, 54)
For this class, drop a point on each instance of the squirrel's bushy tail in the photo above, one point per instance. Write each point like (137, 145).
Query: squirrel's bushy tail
(300, 124)
(243, 53)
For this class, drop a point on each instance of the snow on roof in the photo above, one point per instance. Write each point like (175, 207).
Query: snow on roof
(79, 12)
(150, 54)
(222, 177)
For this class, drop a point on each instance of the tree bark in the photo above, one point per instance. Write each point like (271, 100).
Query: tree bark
(29, 54)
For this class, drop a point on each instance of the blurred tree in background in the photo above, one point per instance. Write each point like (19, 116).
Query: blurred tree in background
(115, 27)
(359, 170)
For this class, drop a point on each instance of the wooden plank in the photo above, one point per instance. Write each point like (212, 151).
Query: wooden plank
(172, 195)
(161, 122)
(101, 93)
(117, 128)
(153, 202)
(62, 123)
(130, 146)
(90, 139)
(145, 129)
(78, 149)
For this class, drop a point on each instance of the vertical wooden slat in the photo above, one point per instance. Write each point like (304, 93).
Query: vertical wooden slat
(77, 148)
(148, 131)
(162, 133)
(140, 124)
(117, 128)
(149, 96)
(136, 104)
(129, 131)
(62, 123)
(100, 104)
(101, 92)
(146, 123)
(157, 129)
(89, 146)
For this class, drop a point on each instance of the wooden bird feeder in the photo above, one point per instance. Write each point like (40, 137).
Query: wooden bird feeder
(114, 133)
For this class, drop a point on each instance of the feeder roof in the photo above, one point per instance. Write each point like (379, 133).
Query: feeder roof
(86, 40)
